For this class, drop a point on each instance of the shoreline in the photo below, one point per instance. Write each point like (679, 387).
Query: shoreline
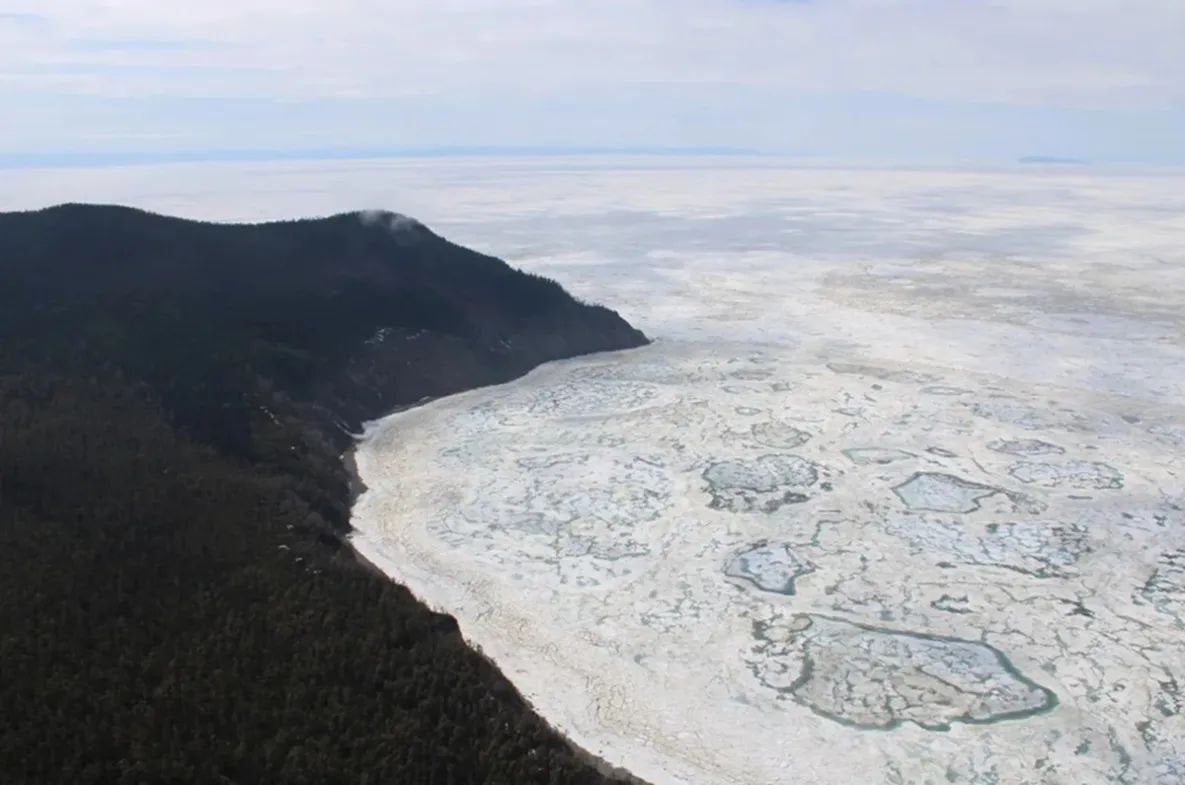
(357, 488)
(599, 764)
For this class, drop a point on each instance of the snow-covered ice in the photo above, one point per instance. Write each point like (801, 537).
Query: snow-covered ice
(899, 512)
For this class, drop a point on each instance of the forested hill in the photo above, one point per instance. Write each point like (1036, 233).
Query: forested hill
(176, 602)
(357, 313)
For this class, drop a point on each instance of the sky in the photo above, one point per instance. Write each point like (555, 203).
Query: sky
(862, 80)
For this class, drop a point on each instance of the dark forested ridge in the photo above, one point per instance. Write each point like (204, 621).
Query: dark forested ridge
(176, 601)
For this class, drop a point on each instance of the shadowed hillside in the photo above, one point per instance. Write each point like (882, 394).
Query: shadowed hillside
(176, 604)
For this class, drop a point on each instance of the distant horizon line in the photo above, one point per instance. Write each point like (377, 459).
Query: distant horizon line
(249, 155)
(100, 159)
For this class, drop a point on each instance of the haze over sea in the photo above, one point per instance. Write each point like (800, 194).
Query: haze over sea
(895, 496)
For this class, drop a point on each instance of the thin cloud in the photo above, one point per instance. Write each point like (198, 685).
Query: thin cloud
(1117, 56)
(140, 45)
(1087, 53)
(21, 18)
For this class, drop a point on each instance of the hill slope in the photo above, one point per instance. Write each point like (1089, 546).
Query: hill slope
(175, 603)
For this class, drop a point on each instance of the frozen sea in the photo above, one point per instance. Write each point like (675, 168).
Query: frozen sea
(896, 495)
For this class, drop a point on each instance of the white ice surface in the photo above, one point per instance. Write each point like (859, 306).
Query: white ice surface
(895, 498)
(946, 406)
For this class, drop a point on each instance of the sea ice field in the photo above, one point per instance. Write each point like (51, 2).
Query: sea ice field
(897, 495)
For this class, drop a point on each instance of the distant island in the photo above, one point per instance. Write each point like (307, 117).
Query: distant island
(179, 602)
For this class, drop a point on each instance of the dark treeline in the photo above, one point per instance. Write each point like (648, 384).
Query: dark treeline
(176, 600)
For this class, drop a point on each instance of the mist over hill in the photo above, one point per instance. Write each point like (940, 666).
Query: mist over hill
(175, 397)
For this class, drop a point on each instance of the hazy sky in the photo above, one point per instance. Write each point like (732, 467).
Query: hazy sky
(932, 80)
